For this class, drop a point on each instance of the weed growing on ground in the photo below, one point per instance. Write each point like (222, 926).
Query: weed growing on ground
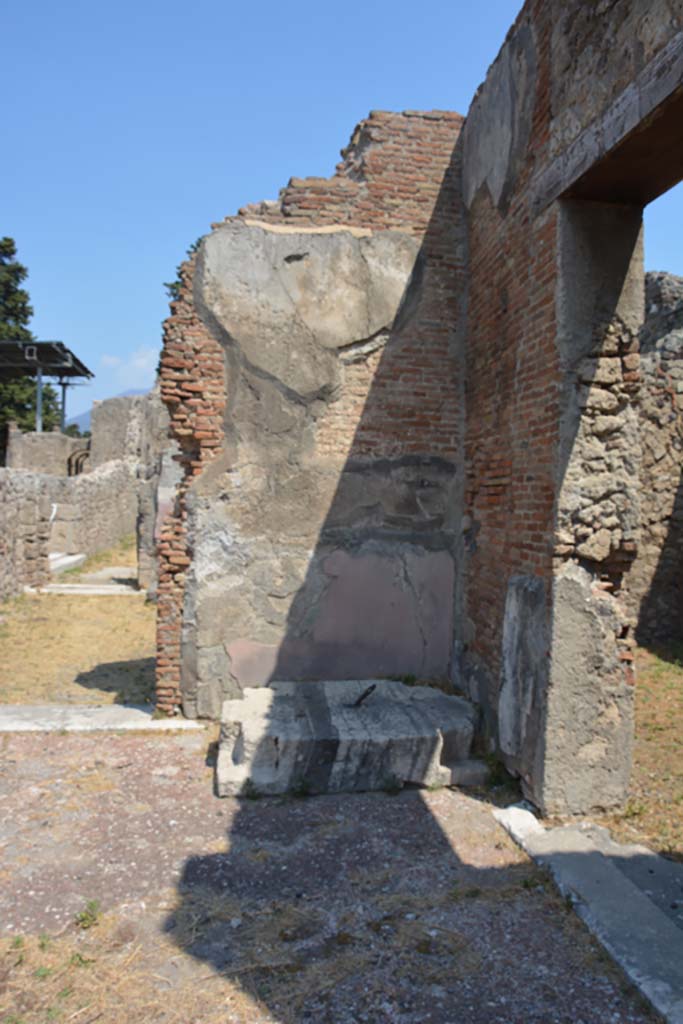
(89, 916)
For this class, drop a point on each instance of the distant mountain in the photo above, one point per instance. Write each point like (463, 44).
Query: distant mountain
(83, 420)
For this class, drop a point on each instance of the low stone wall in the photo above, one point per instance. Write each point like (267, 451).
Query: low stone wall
(49, 512)
(94, 511)
(42, 453)
(24, 532)
(41, 514)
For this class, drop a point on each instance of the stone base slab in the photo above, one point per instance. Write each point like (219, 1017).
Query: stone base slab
(340, 736)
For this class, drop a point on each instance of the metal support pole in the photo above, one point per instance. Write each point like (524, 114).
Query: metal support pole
(39, 400)
(62, 418)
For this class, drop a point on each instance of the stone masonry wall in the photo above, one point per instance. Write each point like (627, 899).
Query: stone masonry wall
(654, 582)
(92, 511)
(118, 429)
(42, 453)
(158, 477)
(319, 449)
(24, 532)
(525, 488)
(552, 450)
(41, 513)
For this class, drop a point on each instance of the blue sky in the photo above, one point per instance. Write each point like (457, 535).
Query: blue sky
(132, 126)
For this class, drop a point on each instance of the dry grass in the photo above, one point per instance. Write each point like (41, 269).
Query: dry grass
(654, 812)
(82, 650)
(110, 974)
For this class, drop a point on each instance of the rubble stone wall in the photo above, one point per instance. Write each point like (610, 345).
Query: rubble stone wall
(42, 513)
(311, 371)
(24, 532)
(655, 581)
(93, 511)
(158, 477)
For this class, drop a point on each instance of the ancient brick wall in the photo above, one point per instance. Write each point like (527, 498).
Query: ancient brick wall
(525, 489)
(552, 443)
(386, 397)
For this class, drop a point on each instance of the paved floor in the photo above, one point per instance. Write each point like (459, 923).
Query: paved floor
(408, 909)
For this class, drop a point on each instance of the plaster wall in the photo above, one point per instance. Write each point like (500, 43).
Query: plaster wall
(117, 426)
(315, 389)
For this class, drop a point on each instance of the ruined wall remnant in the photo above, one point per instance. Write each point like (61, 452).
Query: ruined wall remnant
(42, 453)
(560, 154)
(24, 532)
(93, 511)
(50, 512)
(314, 388)
(118, 428)
(133, 429)
(656, 580)
(416, 430)
(158, 475)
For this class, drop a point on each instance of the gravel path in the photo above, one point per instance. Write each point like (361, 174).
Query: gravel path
(373, 908)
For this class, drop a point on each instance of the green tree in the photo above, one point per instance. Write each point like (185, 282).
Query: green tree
(18, 396)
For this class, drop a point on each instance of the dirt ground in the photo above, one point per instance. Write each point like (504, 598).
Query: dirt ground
(78, 650)
(129, 892)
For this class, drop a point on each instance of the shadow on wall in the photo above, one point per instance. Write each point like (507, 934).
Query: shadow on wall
(660, 619)
(659, 568)
(325, 536)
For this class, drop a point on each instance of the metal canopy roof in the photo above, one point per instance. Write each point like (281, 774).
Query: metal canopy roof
(25, 358)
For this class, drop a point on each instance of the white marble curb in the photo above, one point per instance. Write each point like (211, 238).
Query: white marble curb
(87, 590)
(85, 718)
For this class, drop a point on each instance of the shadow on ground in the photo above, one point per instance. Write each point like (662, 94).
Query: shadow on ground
(131, 681)
(357, 907)
(342, 909)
